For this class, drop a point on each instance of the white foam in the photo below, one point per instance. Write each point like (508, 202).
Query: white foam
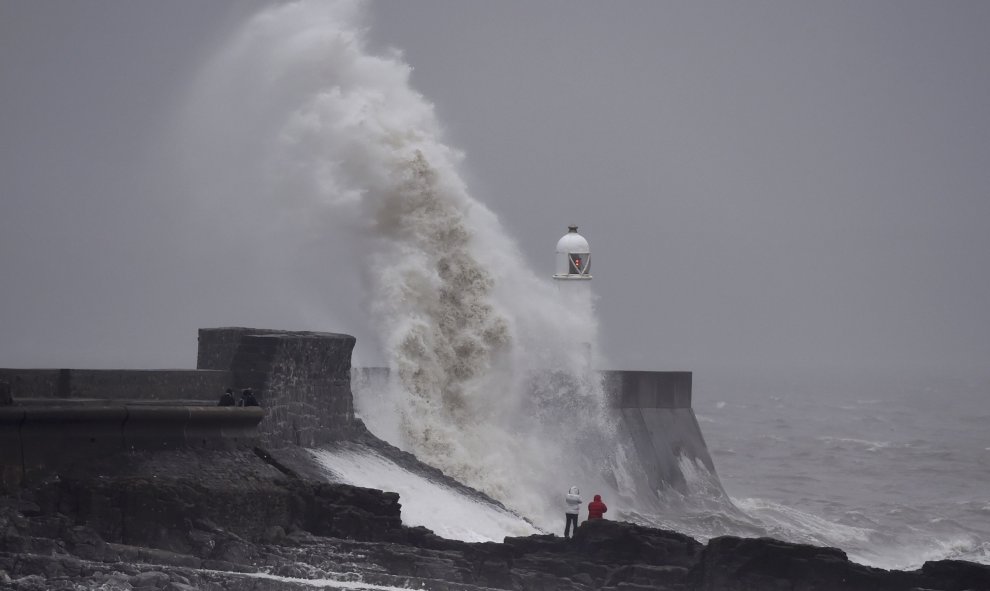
(344, 583)
(795, 525)
(323, 137)
(869, 445)
(701, 482)
(447, 512)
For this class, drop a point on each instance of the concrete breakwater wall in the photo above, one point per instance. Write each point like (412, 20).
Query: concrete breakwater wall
(302, 378)
(39, 439)
(116, 384)
(656, 425)
(50, 418)
(304, 382)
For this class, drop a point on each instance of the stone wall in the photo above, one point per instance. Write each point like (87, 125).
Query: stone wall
(40, 440)
(648, 389)
(658, 423)
(217, 346)
(116, 384)
(302, 380)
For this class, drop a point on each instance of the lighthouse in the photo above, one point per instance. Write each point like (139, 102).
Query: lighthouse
(572, 277)
(573, 257)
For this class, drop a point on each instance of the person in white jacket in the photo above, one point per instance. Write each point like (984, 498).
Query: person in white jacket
(573, 501)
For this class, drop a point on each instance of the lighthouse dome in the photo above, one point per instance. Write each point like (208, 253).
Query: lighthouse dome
(572, 242)
(573, 256)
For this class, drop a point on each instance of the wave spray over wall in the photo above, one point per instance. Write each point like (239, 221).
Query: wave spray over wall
(306, 140)
(312, 161)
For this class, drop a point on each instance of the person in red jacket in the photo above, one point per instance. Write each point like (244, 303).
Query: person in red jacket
(596, 508)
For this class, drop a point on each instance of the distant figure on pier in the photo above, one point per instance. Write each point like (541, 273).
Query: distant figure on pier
(573, 502)
(596, 508)
(247, 398)
(227, 399)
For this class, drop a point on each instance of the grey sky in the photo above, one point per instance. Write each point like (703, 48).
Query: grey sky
(764, 184)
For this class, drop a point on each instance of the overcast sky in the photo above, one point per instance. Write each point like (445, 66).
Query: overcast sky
(763, 184)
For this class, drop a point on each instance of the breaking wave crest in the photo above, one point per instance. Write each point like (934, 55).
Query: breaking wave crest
(306, 140)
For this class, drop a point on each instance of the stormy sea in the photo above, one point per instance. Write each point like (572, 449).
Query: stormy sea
(298, 134)
(891, 469)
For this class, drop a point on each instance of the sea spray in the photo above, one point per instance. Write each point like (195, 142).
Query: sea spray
(299, 135)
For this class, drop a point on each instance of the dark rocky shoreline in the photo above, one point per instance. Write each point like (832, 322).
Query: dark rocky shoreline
(244, 520)
(169, 503)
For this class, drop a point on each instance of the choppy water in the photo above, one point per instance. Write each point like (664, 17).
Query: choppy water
(894, 470)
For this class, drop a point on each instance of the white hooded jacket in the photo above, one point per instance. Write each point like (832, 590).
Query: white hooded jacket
(573, 500)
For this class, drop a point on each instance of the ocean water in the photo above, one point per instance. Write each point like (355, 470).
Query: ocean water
(893, 469)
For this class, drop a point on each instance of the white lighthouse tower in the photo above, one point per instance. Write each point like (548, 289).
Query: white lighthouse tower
(573, 257)
(572, 276)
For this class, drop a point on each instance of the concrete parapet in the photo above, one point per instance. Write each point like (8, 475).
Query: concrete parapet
(648, 389)
(179, 427)
(117, 384)
(11, 450)
(46, 438)
(156, 428)
(70, 432)
(217, 346)
(303, 380)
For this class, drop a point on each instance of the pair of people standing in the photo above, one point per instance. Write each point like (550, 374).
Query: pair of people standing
(247, 398)
(596, 509)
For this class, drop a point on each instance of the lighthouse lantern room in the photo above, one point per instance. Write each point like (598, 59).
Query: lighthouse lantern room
(573, 256)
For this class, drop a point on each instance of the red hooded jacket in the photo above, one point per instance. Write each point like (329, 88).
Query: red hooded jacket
(596, 508)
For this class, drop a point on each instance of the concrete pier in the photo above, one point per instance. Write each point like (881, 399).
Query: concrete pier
(37, 439)
(657, 429)
(303, 381)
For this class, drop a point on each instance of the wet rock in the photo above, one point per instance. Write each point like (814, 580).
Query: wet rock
(114, 582)
(732, 563)
(152, 579)
(274, 535)
(535, 581)
(85, 543)
(235, 551)
(28, 508)
(295, 571)
(957, 574)
(29, 583)
(615, 542)
(646, 575)
(201, 537)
